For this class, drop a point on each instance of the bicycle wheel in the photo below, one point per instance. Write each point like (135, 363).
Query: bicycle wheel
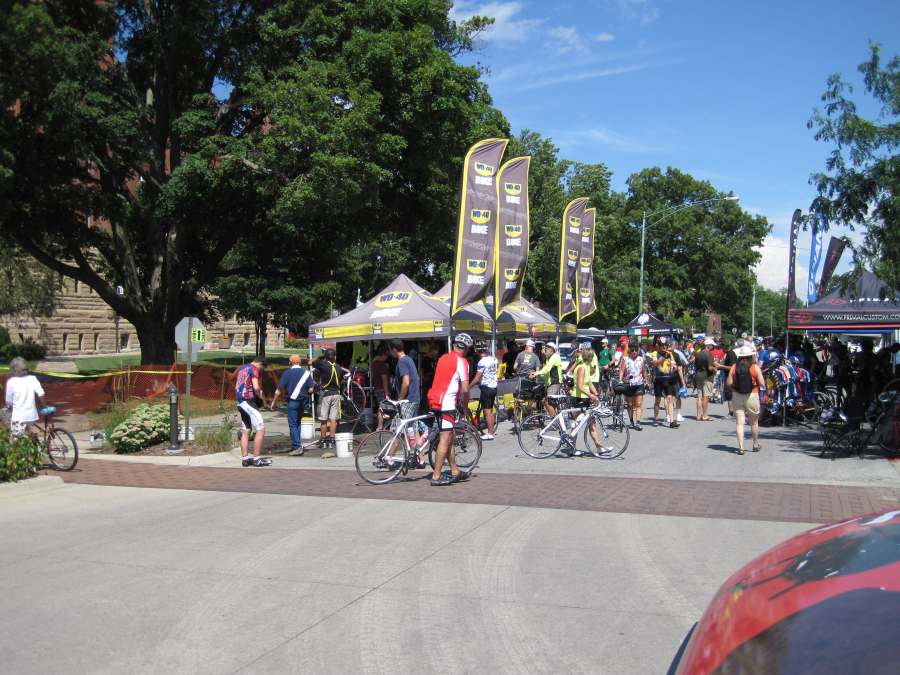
(537, 439)
(612, 435)
(467, 442)
(357, 394)
(372, 457)
(62, 450)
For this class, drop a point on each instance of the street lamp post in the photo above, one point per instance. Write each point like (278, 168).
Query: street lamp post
(666, 212)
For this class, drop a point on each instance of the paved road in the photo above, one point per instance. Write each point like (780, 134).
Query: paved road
(577, 565)
(112, 580)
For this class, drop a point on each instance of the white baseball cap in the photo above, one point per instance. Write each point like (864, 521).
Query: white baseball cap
(604, 341)
(552, 345)
(529, 342)
(709, 342)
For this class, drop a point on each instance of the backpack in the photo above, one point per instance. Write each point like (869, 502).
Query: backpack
(743, 378)
(680, 357)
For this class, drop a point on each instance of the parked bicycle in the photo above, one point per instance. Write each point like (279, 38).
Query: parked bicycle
(384, 455)
(843, 435)
(58, 444)
(605, 433)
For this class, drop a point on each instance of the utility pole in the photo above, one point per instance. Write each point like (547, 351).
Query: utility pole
(753, 312)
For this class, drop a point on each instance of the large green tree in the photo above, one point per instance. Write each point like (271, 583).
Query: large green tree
(861, 182)
(141, 141)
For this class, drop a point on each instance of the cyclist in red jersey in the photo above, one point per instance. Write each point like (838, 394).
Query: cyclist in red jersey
(449, 391)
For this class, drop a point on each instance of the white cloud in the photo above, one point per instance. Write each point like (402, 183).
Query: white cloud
(563, 77)
(772, 269)
(649, 15)
(611, 139)
(506, 27)
(638, 10)
(604, 37)
(566, 40)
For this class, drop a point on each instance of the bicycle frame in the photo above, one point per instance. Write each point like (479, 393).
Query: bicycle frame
(571, 435)
(399, 432)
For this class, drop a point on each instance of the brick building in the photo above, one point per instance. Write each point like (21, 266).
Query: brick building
(83, 324)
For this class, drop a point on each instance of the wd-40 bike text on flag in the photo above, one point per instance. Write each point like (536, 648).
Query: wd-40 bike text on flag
(569, 253)
(511, 249)
(835, 250)
(584, 278)
(819, 225)
(792, 259)
(475, 238)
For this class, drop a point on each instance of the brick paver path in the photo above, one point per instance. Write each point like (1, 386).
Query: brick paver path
(705, 499)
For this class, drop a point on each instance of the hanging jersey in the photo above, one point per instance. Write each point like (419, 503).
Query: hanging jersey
(243, 388)
(452, 369)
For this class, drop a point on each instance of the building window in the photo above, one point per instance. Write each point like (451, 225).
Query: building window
(96, 342)
(81, 342)
(123, 341)
(65, 342)
(246, 339)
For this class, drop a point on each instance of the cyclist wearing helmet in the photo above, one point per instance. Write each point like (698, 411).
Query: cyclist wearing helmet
(449, 392)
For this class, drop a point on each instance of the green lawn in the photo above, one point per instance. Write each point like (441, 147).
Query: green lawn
(97, 364)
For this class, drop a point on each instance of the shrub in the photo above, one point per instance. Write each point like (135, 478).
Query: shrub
(4, 337)
(19, 458)
(296, 343)
(28, 350)
(145, 426)
(216, 439)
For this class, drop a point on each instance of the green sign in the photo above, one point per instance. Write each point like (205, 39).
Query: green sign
(198, 335)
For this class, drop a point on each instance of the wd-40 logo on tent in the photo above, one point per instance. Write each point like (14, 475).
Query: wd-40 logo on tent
(585, 294)
(643, 318)
(573, 256)
(476, 269)
(480, 218)
(513, 235)
(585, 264)
(484, 174)
(376, 329)
(513, 190)
(568, 291)
(390, 303)
(438, 325)
(393, 299)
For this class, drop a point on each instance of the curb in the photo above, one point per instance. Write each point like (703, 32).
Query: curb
(30, 486)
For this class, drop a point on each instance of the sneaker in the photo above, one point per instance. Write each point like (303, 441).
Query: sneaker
(247, 461)
(445, 479)
(257, 461)
(458, 478)
(674, 425)
(297, 452)
(578, 453)
(680, 418)
(638, 427)
(487, 437)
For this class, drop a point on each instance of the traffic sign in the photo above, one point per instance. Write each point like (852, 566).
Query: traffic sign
(197, 334)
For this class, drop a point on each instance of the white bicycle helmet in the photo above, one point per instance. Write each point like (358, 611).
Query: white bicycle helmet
(463, 339)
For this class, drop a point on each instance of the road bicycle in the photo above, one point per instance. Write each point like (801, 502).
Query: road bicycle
(843, 435)
(529, 398)
(605, 433)
(382, 456)
(58, 444)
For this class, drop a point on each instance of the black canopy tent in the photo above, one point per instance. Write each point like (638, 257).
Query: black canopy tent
(865, 306)
(645, 324)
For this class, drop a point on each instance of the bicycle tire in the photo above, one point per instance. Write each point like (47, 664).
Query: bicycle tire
(62, 450)
(367, 458)
(467, 441)
(614, 437)
(536, 444)
(357, 394)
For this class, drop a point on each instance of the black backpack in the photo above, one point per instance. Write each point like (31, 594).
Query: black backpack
(743, 380)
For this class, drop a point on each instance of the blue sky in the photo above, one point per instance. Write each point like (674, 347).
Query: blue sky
(721, 90)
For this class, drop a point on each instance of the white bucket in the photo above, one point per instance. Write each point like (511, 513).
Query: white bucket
(307, 429)
(342, 444)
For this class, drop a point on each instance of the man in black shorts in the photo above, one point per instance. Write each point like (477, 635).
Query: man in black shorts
(730, 360)
(665, 382)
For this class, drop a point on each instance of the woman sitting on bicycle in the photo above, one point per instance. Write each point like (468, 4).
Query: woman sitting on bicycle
(22, 390)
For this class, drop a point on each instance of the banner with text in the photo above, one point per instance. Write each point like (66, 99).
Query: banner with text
(792, 259)
(832, 258)
(569, 252)
(584, 279)
(819, 225)
(475, 238)
(512, 232)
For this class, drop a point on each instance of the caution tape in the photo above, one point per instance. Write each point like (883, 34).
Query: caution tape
(114, 373)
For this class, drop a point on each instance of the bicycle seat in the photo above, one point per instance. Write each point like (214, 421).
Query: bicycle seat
(48, 410)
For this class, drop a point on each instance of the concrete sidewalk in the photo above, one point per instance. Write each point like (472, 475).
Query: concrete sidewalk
(105, 579)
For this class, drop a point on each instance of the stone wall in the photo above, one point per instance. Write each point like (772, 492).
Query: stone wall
(84, 324)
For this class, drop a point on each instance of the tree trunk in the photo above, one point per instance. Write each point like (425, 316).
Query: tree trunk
(262, 325)
(157, 343)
